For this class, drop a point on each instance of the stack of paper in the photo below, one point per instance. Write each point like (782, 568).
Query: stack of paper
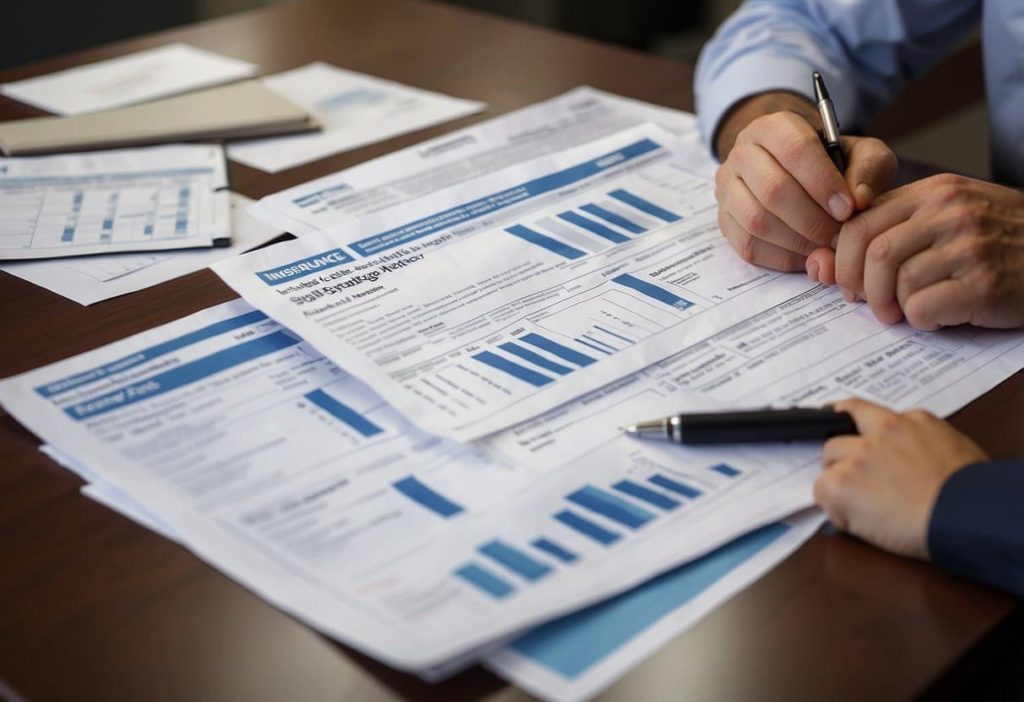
(514, 319)
(168, 197)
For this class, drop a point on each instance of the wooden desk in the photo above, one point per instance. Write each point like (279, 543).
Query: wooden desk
(94, 607)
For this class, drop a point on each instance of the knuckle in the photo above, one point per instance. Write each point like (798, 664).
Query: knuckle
(906, 279)
(746, 247)
(821, 230)
(757, 221)
(918, 315)
(879, 248)
(920, 415)
(965, 217)
(773, 192)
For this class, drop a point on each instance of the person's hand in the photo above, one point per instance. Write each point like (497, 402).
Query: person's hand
(881, 486)
(943, 251)
(780, 197)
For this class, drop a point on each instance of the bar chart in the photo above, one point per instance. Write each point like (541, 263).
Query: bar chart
(601, 516)
(614, 218)
(535, 359)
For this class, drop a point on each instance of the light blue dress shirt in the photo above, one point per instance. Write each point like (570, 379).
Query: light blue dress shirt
(866, 50)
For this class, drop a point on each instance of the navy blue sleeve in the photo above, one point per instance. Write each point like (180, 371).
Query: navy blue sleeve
(977, 526)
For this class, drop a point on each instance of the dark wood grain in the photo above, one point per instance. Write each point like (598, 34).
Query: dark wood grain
(94, 607)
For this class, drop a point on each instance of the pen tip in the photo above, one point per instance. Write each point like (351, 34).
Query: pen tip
(816, 75)
(631, 430)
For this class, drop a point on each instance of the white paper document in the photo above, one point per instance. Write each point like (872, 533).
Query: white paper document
(299, 482)
(295, 479)
(354, 110)
(127, 80)
(579, 116)
(151, 199)
(556, 276)
(91, 279)
(577, 656)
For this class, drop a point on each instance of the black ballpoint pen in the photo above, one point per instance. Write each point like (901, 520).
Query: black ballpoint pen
(829, 123)
(793, 424)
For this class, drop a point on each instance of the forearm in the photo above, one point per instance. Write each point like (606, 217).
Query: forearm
(749, 109)
(977, 525)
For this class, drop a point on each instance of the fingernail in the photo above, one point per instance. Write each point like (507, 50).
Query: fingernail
(847, 294)
(812, 271)
(840, 206)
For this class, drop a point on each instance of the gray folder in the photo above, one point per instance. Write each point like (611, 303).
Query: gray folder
(238, 111)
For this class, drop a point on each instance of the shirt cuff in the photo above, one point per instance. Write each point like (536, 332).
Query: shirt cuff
(977, 525)
(759, 72)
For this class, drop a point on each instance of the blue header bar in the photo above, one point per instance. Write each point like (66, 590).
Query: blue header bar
(304, 267)
(162, 349)
(500, 200)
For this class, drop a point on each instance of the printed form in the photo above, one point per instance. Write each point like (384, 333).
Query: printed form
(578, 116)
(91, 279)
(164, 197)
(556, 277)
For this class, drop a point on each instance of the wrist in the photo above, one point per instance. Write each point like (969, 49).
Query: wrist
(747, 110)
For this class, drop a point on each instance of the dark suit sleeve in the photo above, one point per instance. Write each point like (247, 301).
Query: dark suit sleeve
(977, 526)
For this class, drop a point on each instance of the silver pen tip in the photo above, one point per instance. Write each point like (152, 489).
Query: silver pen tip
(632, 430)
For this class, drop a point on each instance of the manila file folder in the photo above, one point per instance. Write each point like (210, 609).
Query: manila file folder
(238, 111)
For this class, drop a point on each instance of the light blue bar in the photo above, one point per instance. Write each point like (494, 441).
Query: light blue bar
(644, 205)
(675, 486)
(616, 335)
(552, 549)
(610, 506)
(593, 227)
(596, 348)
(726, 470)
(574, 644)
(485, 580)
(425, 497)
(68, 235)
(515, 560)
(514, 369)
(614, 218)
(552, 245)
(651, 497)
(535, 358)
(343, 412)
(653, 291)
(563, 352)
(587, 528)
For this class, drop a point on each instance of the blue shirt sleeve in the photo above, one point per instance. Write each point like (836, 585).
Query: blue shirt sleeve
(977, 525)
(865, 49)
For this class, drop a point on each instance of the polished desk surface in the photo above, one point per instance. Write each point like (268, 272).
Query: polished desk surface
(95, 607)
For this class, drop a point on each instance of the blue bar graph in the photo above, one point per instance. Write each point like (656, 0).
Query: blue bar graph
(610, 506)
(552, 549)
(515, 560)
(425, 497)
(615, 334)
(343, 412)
(593, 227)
(514, 369)
(586, 527)
(653, 291)
(675, 486)
(594, 346)
(614, 218)
(148, 231)
(563, 352)
(68, 235)
(552, 245)
(535, 358)
(726, 470)
(485, 580)
(644, 205)
(651, 497)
